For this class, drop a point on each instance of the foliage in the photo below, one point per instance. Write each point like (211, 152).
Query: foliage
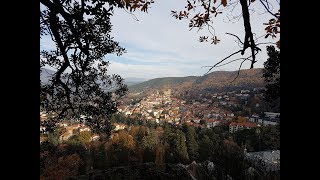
(270, 137)
(81, 33)
(85, 137)
(267, 139)
(230, 158)
(160, 154)
(53, 138)
(271, 74)
(150, 141)
(63, 167)
(176, 147)
(98, 154)
(201, 15)
(138, 132)
(192, 144)
(163, 145)
(206, 148)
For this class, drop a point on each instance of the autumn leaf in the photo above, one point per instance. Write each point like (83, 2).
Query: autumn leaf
(224, 3)
(278, 44)
(215, 40)
(189, 6)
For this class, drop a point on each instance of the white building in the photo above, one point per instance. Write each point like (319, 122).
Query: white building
(212, 123)
(119, 126)
(272, 114)
(234, 127)
(81, 129)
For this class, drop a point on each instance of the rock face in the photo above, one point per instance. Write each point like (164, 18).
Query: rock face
(193, 171)
(203, 170)
(141, 171)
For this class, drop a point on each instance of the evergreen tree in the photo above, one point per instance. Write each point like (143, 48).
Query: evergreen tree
(192, 143)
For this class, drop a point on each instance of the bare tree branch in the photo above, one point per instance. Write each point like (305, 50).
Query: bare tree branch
(223, 60)
(238, 71)
(265, 43)
(134, 16)
(234, 61)
(268, 9)
(236, 37)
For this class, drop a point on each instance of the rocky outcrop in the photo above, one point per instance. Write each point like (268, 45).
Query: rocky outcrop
(193, 171)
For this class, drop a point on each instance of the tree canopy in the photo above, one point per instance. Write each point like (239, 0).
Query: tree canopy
(271, 74)
(81, 84)
(201, 14)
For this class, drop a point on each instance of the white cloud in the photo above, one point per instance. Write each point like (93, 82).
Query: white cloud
(144, 71)
(159, 45)
(171, 41)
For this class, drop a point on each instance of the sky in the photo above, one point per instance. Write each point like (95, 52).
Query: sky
(159, 45)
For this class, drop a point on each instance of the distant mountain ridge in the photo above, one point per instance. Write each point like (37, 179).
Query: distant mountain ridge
(132, 80)
(46, 74)
(215, 81)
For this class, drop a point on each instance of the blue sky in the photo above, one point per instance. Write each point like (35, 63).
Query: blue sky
(160, 46)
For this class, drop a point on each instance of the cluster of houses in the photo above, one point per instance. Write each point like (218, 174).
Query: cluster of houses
(204, 110)
(164, 107)
(76, 128)
(270, 118)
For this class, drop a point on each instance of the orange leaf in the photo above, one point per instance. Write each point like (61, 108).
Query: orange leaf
(278, 44)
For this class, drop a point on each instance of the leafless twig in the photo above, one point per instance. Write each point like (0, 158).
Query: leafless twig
(223, 60)
(265, 43)
(238, 71)
(236, 37)
(267, 8)
(134, 16)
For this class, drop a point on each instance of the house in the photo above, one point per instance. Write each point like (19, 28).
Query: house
(272, 115)
(223, 103)
(254, 118)
(65, 136)
(271, 118)
(119, 126)
(128, 113)
(271, 121)
(95, 137)
(81, 129)
(196, 121)
(62, 124)
(198, 125)
(234, 126)
(212, 123)
(245, 91)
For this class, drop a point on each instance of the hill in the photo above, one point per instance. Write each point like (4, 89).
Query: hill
(162, 82)
(132, 80)
(46, 74)
(214, 82)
